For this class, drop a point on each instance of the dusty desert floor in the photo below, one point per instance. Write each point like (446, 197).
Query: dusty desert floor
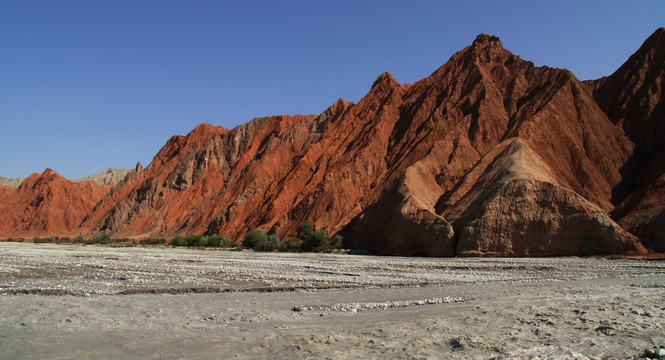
(65, 302)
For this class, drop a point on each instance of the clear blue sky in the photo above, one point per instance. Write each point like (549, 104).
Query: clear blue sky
(91, 84)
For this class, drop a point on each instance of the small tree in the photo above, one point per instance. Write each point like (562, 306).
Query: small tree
(225, 241)
(255, 240)
(313, 240)
(178, 241)
(272, 242)
(218, 241)
(213, 241)
(102, 238)
(196, 240)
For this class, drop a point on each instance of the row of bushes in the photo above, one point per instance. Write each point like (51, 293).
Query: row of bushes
(100, 239)
(308, 240)
(202, 241)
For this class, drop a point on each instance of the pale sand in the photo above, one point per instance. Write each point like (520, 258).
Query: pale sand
(511, 308)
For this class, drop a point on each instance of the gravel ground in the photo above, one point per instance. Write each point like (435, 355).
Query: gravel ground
(64, 301)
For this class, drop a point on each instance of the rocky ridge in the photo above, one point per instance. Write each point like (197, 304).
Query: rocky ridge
(489, 155)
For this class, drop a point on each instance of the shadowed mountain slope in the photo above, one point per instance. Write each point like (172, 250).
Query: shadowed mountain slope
(634, 99)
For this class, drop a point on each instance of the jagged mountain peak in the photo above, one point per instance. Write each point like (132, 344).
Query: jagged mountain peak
(49, 173)
(48, 176)
(206, 128)
(385, 79)
(483, 40)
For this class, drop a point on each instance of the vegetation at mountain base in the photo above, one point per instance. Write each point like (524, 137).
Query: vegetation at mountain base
(309, 240)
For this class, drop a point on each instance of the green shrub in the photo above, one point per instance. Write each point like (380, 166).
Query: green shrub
(202, 241)
(178, 241)
(226, 242)
(79, 239)
(102, 239)
(153, 241)
(212, 241)
(290, 244)
(255, 240)
(337, 242)
(273, 242)
(219, 241)
(313, 240)
(196, 240)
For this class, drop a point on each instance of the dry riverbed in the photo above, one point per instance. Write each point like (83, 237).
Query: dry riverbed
(64, 301)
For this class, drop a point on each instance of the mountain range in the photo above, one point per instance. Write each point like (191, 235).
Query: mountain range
(489, 155)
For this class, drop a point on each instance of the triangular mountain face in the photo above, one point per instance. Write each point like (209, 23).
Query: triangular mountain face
(634, 99)
(489, 155)
(518, 200)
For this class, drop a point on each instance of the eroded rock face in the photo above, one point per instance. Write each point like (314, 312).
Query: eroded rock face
(518, 201)
(489, 155)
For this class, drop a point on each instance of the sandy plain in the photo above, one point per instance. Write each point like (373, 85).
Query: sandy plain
(93, 302)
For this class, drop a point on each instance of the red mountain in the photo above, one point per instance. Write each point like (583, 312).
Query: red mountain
(489, 155)
(46, 204)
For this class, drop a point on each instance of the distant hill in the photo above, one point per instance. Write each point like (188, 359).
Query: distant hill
(15, 182)
(108, 177)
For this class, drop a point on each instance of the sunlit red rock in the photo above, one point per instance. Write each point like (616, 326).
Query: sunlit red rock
(47, 204)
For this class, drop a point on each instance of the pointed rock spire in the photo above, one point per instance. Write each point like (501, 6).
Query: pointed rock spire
(484, 40)
(385, 78)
